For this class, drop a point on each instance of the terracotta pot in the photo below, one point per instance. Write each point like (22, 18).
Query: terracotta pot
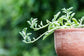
(69, 42)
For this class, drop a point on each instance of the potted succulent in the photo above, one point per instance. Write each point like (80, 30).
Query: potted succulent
(68, 33)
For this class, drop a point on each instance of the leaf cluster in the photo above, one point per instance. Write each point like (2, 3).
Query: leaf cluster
(64, 21)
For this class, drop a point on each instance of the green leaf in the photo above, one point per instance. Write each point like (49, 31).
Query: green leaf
(41, 23)
(82, 19)
(47, 21)
(75, 21)
(60, 20)
(70, 9)
(72, 15)
(29, 22)
(56, 16)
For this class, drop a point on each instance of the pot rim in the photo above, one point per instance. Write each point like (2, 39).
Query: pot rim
(69, 30)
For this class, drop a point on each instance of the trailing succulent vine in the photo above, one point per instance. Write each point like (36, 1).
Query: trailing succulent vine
(66, 20)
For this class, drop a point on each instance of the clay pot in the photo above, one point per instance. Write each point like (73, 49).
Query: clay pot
(69, 42)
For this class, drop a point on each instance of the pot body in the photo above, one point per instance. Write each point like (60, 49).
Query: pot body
(69, 42)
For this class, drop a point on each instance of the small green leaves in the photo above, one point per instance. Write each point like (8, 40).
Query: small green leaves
(33, 24)
(60, 20)
(25, 35)
(64, 21)
(67, 10)
(72, 15)
(53, 25)
(56, 16)
(82, 19)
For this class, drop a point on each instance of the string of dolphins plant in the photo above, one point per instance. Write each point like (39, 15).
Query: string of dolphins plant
(64, 21)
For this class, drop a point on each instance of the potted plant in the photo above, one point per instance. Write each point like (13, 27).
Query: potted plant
(68, 33)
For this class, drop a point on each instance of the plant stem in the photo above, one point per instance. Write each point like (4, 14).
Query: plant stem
(40, 36)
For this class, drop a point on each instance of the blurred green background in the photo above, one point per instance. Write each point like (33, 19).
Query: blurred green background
(13, 18)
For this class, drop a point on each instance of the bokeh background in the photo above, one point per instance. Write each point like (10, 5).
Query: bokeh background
(13, 18)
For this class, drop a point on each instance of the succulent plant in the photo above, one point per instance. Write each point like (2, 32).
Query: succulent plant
(64, 21)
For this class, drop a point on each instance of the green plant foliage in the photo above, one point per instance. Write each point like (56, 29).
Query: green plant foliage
(13, 17)
(64, 21)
